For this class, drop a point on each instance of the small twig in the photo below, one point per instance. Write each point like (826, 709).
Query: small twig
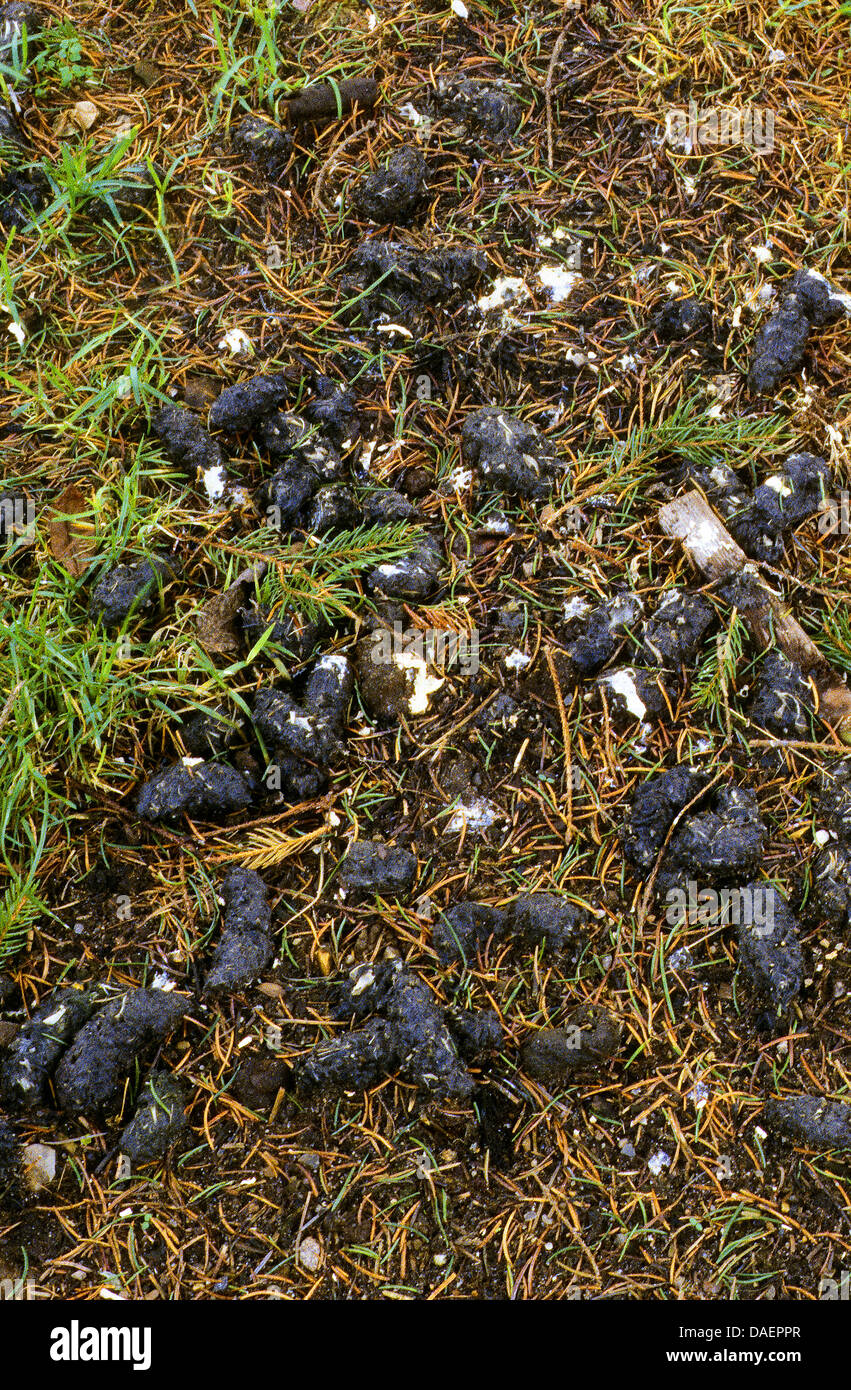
(565, 734)
(9, 705)
(793, 579)
(548, 92)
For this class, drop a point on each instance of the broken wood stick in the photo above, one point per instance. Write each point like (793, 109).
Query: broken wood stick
(712, 550)
(319, 102)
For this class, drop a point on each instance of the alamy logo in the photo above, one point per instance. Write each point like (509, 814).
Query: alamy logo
(834, 517)
(76, 1343)
(836, 1289)
(17, 517)
(748, 907)
(16, 1290)
(720, 125)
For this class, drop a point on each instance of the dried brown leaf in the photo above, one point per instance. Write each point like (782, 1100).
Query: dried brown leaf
(72, 540)
(216, 620)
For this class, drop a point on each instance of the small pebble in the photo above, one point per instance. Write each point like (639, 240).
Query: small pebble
(310, 1255)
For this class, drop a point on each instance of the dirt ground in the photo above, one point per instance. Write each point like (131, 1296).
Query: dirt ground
(649, 1174)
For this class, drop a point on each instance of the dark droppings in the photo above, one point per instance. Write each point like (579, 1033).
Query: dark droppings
(676, 630)
(288, 493)
(290, 631)
(831, 871)
(334, 412)
(24, 188)
(309, 465)
(355, 1062)
(385, 505)
(185, 440)
(810, 302)
(551, 1054)
(208, 733)
(246, 901)
(245, 947)
(631, 694)
(723, 844)
(411, 1035)
(813, 1120)
(24, 192)
(328, 690)
(413, 577)
(769, 948)
(533, 919)
(91, 1074)
(372, 867)
(285, 435)
(239, 959)
(679, 318)
(783, 699)
(262, 141)
(759, 520)
(475, 1032)
(780, 346)
(463, 931)
(159, 1122)
(592, 636)
(126, 588)
(204, 789)
(326, 101)
(30, 1059)
(260, 1079)
(496, 1117)
(332, 508)
(395, 281)
(393, 193)
(241, 407)
(835, 800)
(832, 864)
(508, 455)
(15, 19)
(779, 505)
(310, 731)
(656, 804)
(487, 108)
(545, 919)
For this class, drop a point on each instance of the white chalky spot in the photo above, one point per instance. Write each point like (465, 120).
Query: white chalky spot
(779, 485)
(476, 815)
(699, 1095)
(237, 343)
(505, 289)
(623, 683)
(576, 607)
(559, 281)
(214, 481)
(425, 683)
(460, 479)
(517, 660)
